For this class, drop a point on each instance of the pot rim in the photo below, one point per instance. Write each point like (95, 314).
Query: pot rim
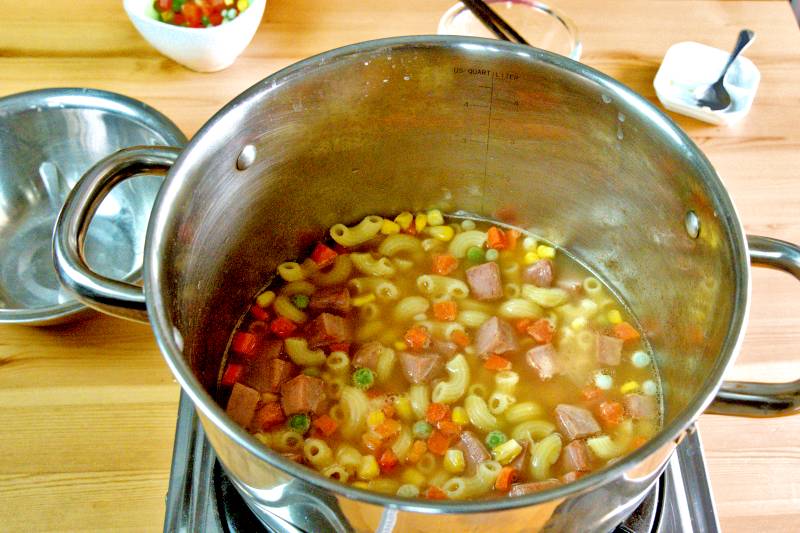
(156, 242)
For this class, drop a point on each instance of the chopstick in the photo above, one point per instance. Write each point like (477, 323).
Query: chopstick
(493, 21)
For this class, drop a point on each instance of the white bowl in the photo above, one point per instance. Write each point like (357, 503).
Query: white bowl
(689, 65)
(201, 49)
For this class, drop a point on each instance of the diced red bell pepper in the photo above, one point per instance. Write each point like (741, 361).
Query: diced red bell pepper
(339, 347)
(282, 327)
(388, 461)
(244, 343)
(435, 493)
(542, 331)
(495, 238)
(193, 14)
(323, 255)
(326, 425)
(164, 5)
(259, 313)
(232, 374)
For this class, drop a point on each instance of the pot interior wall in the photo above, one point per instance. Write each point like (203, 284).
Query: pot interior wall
(467, 127)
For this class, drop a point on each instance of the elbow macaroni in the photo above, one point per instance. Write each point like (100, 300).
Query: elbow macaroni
(365, 230)
(454, 388)
(366, 264)
(300, 354)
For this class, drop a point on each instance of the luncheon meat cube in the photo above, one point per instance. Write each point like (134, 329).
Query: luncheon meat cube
(495, 336)
(303, 394)
(575, 422)
(520, 462)
(484, 281)
(473, 449)
(542, 359)
(640, 406)
(268, 371)
(540, 273)
(445, 348)
(421, 368)
(242, 404)
(575, 457)
(268, 415)
(520, 489)
(367, 356)
(609, 350)
(327, 329)
(332, 299)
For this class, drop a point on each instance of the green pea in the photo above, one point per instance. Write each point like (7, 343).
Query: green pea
(177, 5)
(363, 378)
(300, 301)
(495, 439)
(300, 423)
(475, 254)
(422, 430)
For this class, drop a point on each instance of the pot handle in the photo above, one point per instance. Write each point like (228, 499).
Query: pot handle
(745, 398)
(110, 296)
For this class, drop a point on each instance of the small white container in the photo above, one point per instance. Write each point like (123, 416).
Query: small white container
(689, 65)
(201, 49)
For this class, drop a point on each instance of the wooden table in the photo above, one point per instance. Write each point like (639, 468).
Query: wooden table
(87, 411)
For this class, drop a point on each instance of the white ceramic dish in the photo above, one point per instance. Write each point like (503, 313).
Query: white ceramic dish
(689, 65)
(201, 49)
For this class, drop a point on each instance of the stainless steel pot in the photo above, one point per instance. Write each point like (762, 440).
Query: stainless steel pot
(494, 129)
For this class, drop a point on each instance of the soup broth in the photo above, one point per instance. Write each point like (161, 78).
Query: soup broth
(428, 356)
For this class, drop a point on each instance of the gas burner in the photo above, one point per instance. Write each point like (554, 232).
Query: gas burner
(202, 498)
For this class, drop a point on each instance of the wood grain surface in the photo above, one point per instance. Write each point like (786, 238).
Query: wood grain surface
(87, 411)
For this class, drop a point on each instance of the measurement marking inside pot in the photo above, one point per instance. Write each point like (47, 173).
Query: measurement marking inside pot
(486, 153)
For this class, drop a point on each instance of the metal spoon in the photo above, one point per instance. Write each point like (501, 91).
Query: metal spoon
(715, 96)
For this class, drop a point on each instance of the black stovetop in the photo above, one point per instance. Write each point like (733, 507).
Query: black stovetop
(201, 498)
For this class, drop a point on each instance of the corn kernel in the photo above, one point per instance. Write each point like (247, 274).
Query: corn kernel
(241, 5)
(546, 252)
(459, 416)
(453, 461)
(630, 386)
(435, 217)
(530, 258)
(420, 221)
(614, 316)
(229, 3)
(506, 452)
(412, 476)
(442, 233)
(578, 323)
(403, 407)
(265, 299)
(362, 300)
(360, 485)
(399, 346)
(389, 227)
(375, 418)
(267, 397)
(368, 469)
(404, 219)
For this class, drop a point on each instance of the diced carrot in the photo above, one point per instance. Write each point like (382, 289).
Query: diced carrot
(417, 338)
(374, 392)
(638, 441)
(495, 238)
(388, 428)
(446, 310)
(625, 331)
(437, 412)
(444, 264)
(610, 413)
(323, 255)
(496, 363)
(282, 327)
(522, 325)
(271, 415)
(326, 425)
(388, 410)
(415, 453)
(512, 236)
(388, 461)
(244, 343)
(448, 428)
(372, 442)
(259, 313)
(508, 476)
(435, 493)
(592, 394)
(232, 374)
(542, 331)
(460, 338)
(339, 347)
(438, 443)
